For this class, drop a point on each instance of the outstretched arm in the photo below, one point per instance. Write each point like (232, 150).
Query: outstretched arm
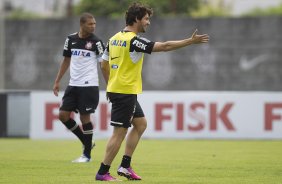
(63, 68)
(173, 45)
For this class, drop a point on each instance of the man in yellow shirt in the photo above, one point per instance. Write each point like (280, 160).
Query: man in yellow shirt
(122, 67)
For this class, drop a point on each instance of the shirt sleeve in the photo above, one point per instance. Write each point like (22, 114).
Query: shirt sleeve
(100, 49)
(67, 49)
(105, 55)
(141, 44)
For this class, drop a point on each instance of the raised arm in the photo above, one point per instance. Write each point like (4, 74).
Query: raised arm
(173, 45)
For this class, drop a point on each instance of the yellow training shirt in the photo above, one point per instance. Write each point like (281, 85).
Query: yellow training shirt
(125, 53)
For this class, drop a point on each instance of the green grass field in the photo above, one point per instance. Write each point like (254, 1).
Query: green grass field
(157, 161)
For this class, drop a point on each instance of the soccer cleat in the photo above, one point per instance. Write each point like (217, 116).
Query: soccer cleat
(82, 159)
(105, 177)
(128, 173)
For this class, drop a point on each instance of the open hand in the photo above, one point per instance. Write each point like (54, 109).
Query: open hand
(199, 38)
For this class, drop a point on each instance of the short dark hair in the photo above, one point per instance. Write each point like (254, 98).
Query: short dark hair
(137, 10)
(85, 16)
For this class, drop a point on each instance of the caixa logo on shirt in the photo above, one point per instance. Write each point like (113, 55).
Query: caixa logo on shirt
(80, 53)
(119, 43)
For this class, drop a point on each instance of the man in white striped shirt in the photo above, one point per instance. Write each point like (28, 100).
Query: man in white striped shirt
(82, 53)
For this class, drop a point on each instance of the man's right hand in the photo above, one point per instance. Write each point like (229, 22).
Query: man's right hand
(56, 88)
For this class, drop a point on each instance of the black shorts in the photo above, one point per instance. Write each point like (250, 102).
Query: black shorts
(125, 107)
(80, 99)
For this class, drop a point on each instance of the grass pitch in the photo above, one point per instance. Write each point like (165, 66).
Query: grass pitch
(27, 161)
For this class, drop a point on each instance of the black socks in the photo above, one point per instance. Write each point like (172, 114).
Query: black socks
(88, 134)
(72, 126)
(84, 136)
(104, 169)
(125, 161)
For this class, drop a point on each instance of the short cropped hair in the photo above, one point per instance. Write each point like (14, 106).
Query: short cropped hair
(85, 16)
(137, 10)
